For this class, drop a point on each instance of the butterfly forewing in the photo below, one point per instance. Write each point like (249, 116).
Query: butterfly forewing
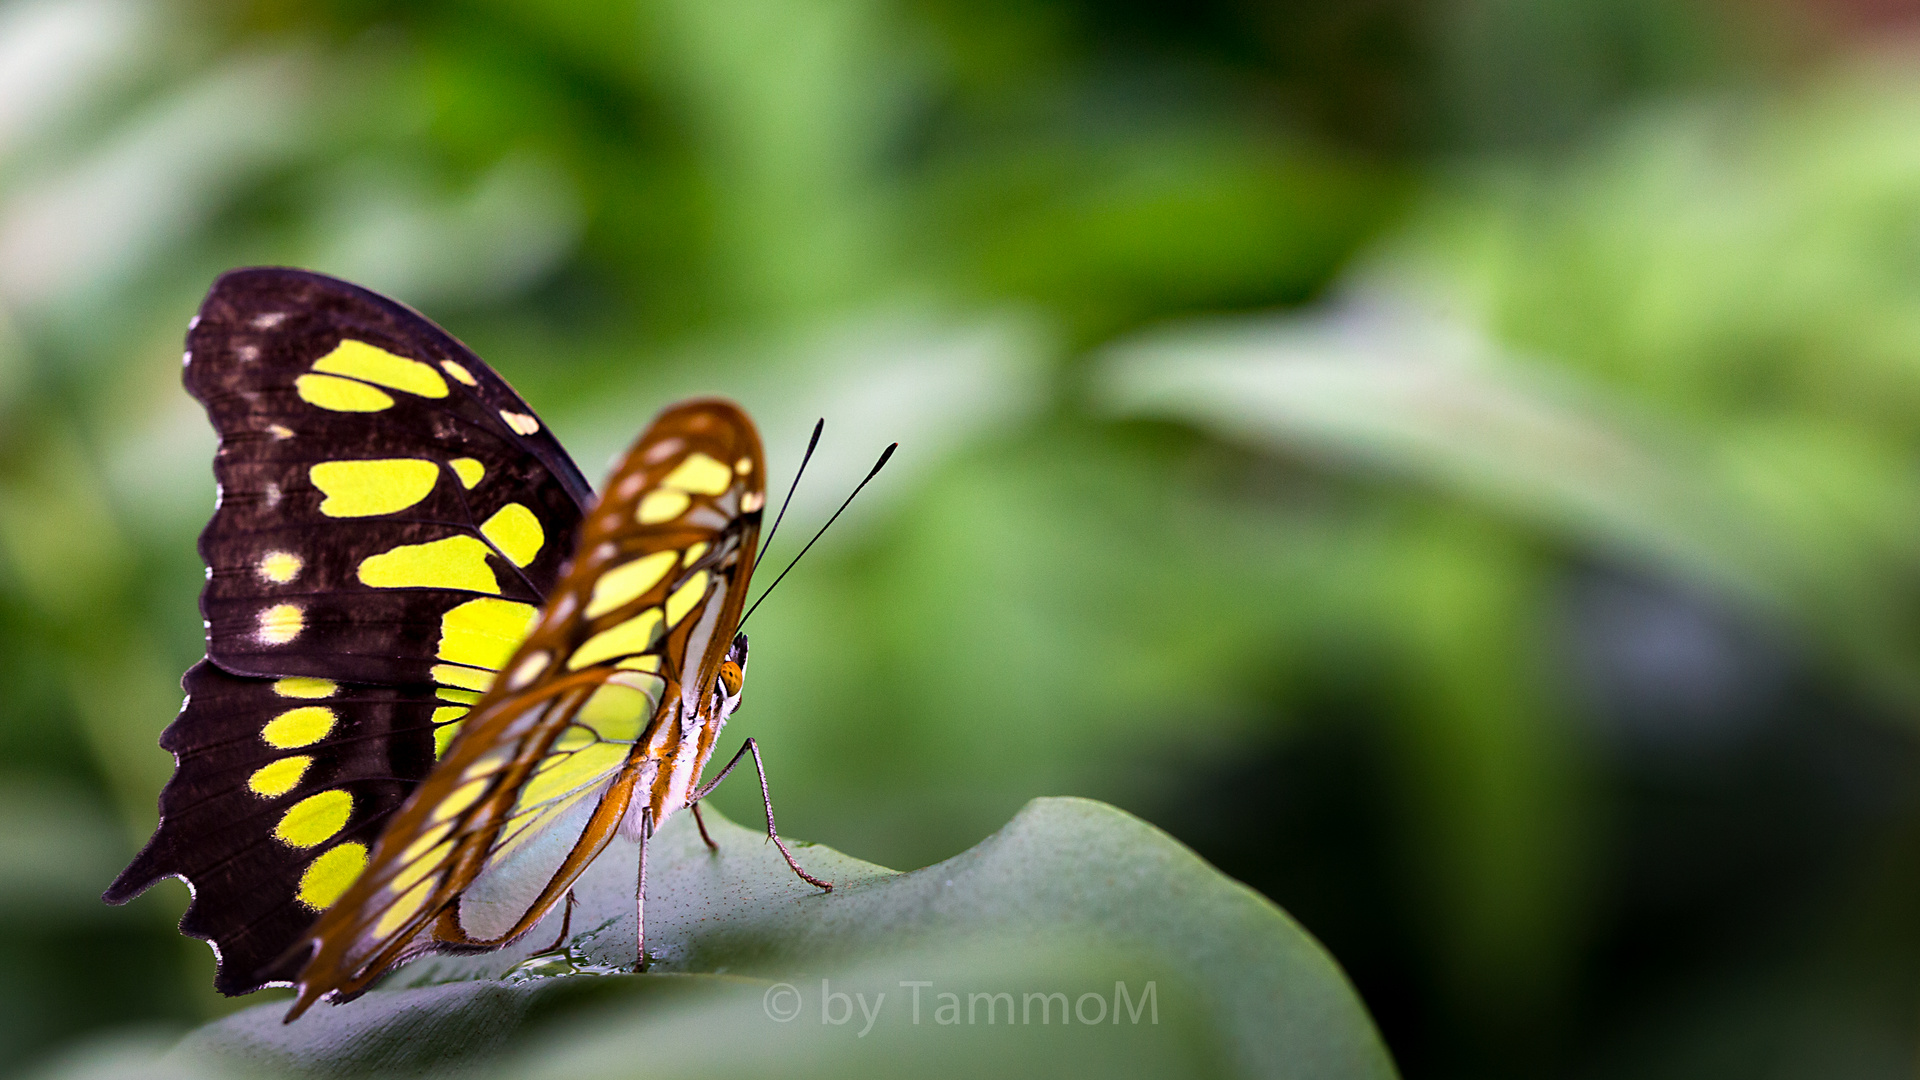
(603, 711)
(374, 476)
(390, 517)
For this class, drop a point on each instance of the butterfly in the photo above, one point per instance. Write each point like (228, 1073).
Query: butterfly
(441, 674)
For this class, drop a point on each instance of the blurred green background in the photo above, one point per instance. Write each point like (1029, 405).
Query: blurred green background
(1455, 464)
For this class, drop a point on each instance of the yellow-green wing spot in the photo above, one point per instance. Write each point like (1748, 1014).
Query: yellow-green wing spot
(299, 727)
(404, 907)
(700, 475)
(303, 687)
(329, 875)
(661, 505)
(463, 796)
(564, 773)
(620, 708)
(469, 470)
(372, 487)
(632, 636)
(478, 637)
(686, 597)
(341, 395)
(446, 718)
(484, 633)
(279, 777)
(446, 721)
(478, 679)
(457, 562)
(409, 889)
(315, 819)
(516, 532)
(625, 583)
(376, 365)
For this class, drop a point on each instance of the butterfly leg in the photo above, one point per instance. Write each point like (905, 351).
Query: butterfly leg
(566, 925)
(766, 797)
(700, 821)
(640, 895)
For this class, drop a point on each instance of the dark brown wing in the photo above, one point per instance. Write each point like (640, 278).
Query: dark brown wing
(351, 426)
(599, 712)
(390, 516)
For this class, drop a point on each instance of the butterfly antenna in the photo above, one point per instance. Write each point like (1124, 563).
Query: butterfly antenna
(818, 426)
(871, 473)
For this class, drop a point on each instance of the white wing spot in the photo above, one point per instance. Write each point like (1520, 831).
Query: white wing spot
(521, 423)
(269, 320)
(280, 567)
(529, 670)
(281, 623)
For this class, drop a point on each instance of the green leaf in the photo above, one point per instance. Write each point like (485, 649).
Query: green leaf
(1381, 385)
(1173, 970)
(1387, 389)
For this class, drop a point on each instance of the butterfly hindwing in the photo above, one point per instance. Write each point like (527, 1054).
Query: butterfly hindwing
(391, 515)
(606, 709)
(280, 788)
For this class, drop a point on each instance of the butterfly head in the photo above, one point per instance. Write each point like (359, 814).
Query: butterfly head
(733, 674)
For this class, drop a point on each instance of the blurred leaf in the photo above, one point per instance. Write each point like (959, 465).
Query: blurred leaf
(126, 1055)
(1068, 898)
(1796, 521)
(1107, 229)
(57, 530)
(1093, 585)
(1741, 270)
(792, 103)
(1375, 387)
(520, 219)
(56, 851)
(55, 56)
(1491, 775)
(76, 230)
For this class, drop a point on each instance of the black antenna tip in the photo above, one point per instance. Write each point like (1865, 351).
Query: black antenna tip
(871, 473)
(818, 426)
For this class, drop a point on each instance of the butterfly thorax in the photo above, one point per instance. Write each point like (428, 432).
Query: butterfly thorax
(672, 768)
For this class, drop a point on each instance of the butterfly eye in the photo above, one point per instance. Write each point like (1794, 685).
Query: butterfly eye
(731, 678)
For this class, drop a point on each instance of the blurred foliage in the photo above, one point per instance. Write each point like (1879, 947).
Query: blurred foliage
(1451, 463)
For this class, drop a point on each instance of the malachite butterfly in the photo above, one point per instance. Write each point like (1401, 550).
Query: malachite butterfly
(441, 674)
